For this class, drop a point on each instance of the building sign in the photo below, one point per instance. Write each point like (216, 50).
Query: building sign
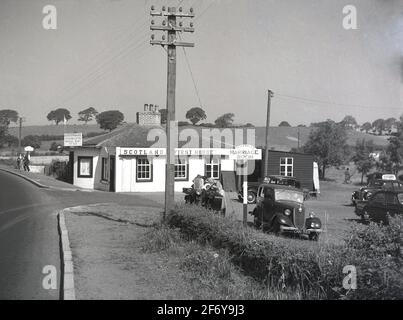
(142, 151)
(245, 152)
(235, 154)
(73, 139)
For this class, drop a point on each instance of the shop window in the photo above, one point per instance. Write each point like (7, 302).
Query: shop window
(181, 169)
(287, 167)
(144, 170)
(105, 171)
(84, 167)
(213, 168)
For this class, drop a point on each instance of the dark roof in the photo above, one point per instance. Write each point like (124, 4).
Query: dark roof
(134, 135)
(131, 135)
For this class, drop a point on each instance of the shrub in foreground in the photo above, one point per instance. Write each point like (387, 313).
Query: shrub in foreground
(286, 264)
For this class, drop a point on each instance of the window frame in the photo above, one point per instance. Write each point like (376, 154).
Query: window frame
(209, 163)
(286, 166)
(104, 169)
(186, 178)
(79, 159)
(150, 165)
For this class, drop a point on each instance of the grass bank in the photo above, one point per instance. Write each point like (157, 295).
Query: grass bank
(310, 272)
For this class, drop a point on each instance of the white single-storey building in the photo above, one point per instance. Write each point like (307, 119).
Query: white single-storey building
(124, 161)
(133, 157)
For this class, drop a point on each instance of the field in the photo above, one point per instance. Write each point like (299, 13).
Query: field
(55, 130)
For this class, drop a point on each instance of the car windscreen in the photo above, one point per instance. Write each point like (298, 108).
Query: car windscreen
(288, 195)
(400, 197)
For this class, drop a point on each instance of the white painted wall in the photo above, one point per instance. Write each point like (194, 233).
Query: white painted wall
(87, 183)
(125, 172)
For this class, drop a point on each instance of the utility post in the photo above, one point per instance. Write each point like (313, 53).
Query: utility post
(266, 153)
(171, 27)
(19, 135)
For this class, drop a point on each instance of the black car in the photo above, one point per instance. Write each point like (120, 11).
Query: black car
(279, 180)
(280, 209)
(381, 205)
(375, 183)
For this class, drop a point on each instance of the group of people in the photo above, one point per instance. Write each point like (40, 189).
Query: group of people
(23, 162)
(205, 184)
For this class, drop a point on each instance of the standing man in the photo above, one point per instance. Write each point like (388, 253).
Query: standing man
(26, 162)
(347, 176)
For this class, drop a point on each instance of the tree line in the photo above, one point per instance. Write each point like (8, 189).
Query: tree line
(328, 143)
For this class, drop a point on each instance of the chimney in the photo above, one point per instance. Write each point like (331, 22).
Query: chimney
(146, 107)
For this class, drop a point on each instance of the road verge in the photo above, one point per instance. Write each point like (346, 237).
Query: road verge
(68, 290)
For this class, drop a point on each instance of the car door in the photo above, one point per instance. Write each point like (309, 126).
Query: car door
(392, 204)
(376, 207)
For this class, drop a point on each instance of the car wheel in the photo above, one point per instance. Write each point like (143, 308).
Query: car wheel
(256, 222)
(314, 236)
(365, 216)
(276, 227)
(251, 197)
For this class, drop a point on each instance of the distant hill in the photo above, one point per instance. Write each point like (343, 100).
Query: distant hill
(286, 138)
(281, 138)
(55, 130)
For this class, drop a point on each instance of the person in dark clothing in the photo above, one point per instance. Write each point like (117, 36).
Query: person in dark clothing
(26, 163)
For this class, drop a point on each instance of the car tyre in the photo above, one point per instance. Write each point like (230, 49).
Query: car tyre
(251, 197)
(276, 227)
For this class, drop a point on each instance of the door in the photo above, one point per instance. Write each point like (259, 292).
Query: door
(112, 174)
(376, 207)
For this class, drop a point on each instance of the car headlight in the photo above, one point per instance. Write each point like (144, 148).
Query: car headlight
(287, 212)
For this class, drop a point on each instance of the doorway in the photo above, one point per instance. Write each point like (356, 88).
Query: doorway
(112, 174)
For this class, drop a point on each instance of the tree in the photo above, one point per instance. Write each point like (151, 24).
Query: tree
(225, 120)
(327, 143)
(348, 122)
(195, 115)
(109, 120)
(10, 141)
(55, 146)
(389, 123)
(59, 115)
(163, 116)
(366, 127)
(87, 115)
(7, 116)
(362, 159)
(395, 152)
(31, 140)
(379, 125)
(284, 124)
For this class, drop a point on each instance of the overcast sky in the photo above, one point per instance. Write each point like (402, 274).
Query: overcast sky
(100, 56)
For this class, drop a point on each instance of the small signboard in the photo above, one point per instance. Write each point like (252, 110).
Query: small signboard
(73, 139)
(388, 177)
(245, 152)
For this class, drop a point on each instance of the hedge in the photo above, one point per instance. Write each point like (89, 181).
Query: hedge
(315, 270)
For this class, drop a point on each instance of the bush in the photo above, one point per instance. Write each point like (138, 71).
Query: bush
(284, 264)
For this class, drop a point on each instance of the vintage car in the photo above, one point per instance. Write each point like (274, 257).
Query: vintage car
(381, 205)
(375, 182)
(280, 209)
(280, 180)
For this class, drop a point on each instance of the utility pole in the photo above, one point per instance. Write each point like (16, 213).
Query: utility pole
(170, 26)
(19, 135)
(266, 154)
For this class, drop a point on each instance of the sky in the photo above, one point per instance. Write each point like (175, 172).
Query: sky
(99, 56)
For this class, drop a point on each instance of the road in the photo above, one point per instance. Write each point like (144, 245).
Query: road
(29, 238)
